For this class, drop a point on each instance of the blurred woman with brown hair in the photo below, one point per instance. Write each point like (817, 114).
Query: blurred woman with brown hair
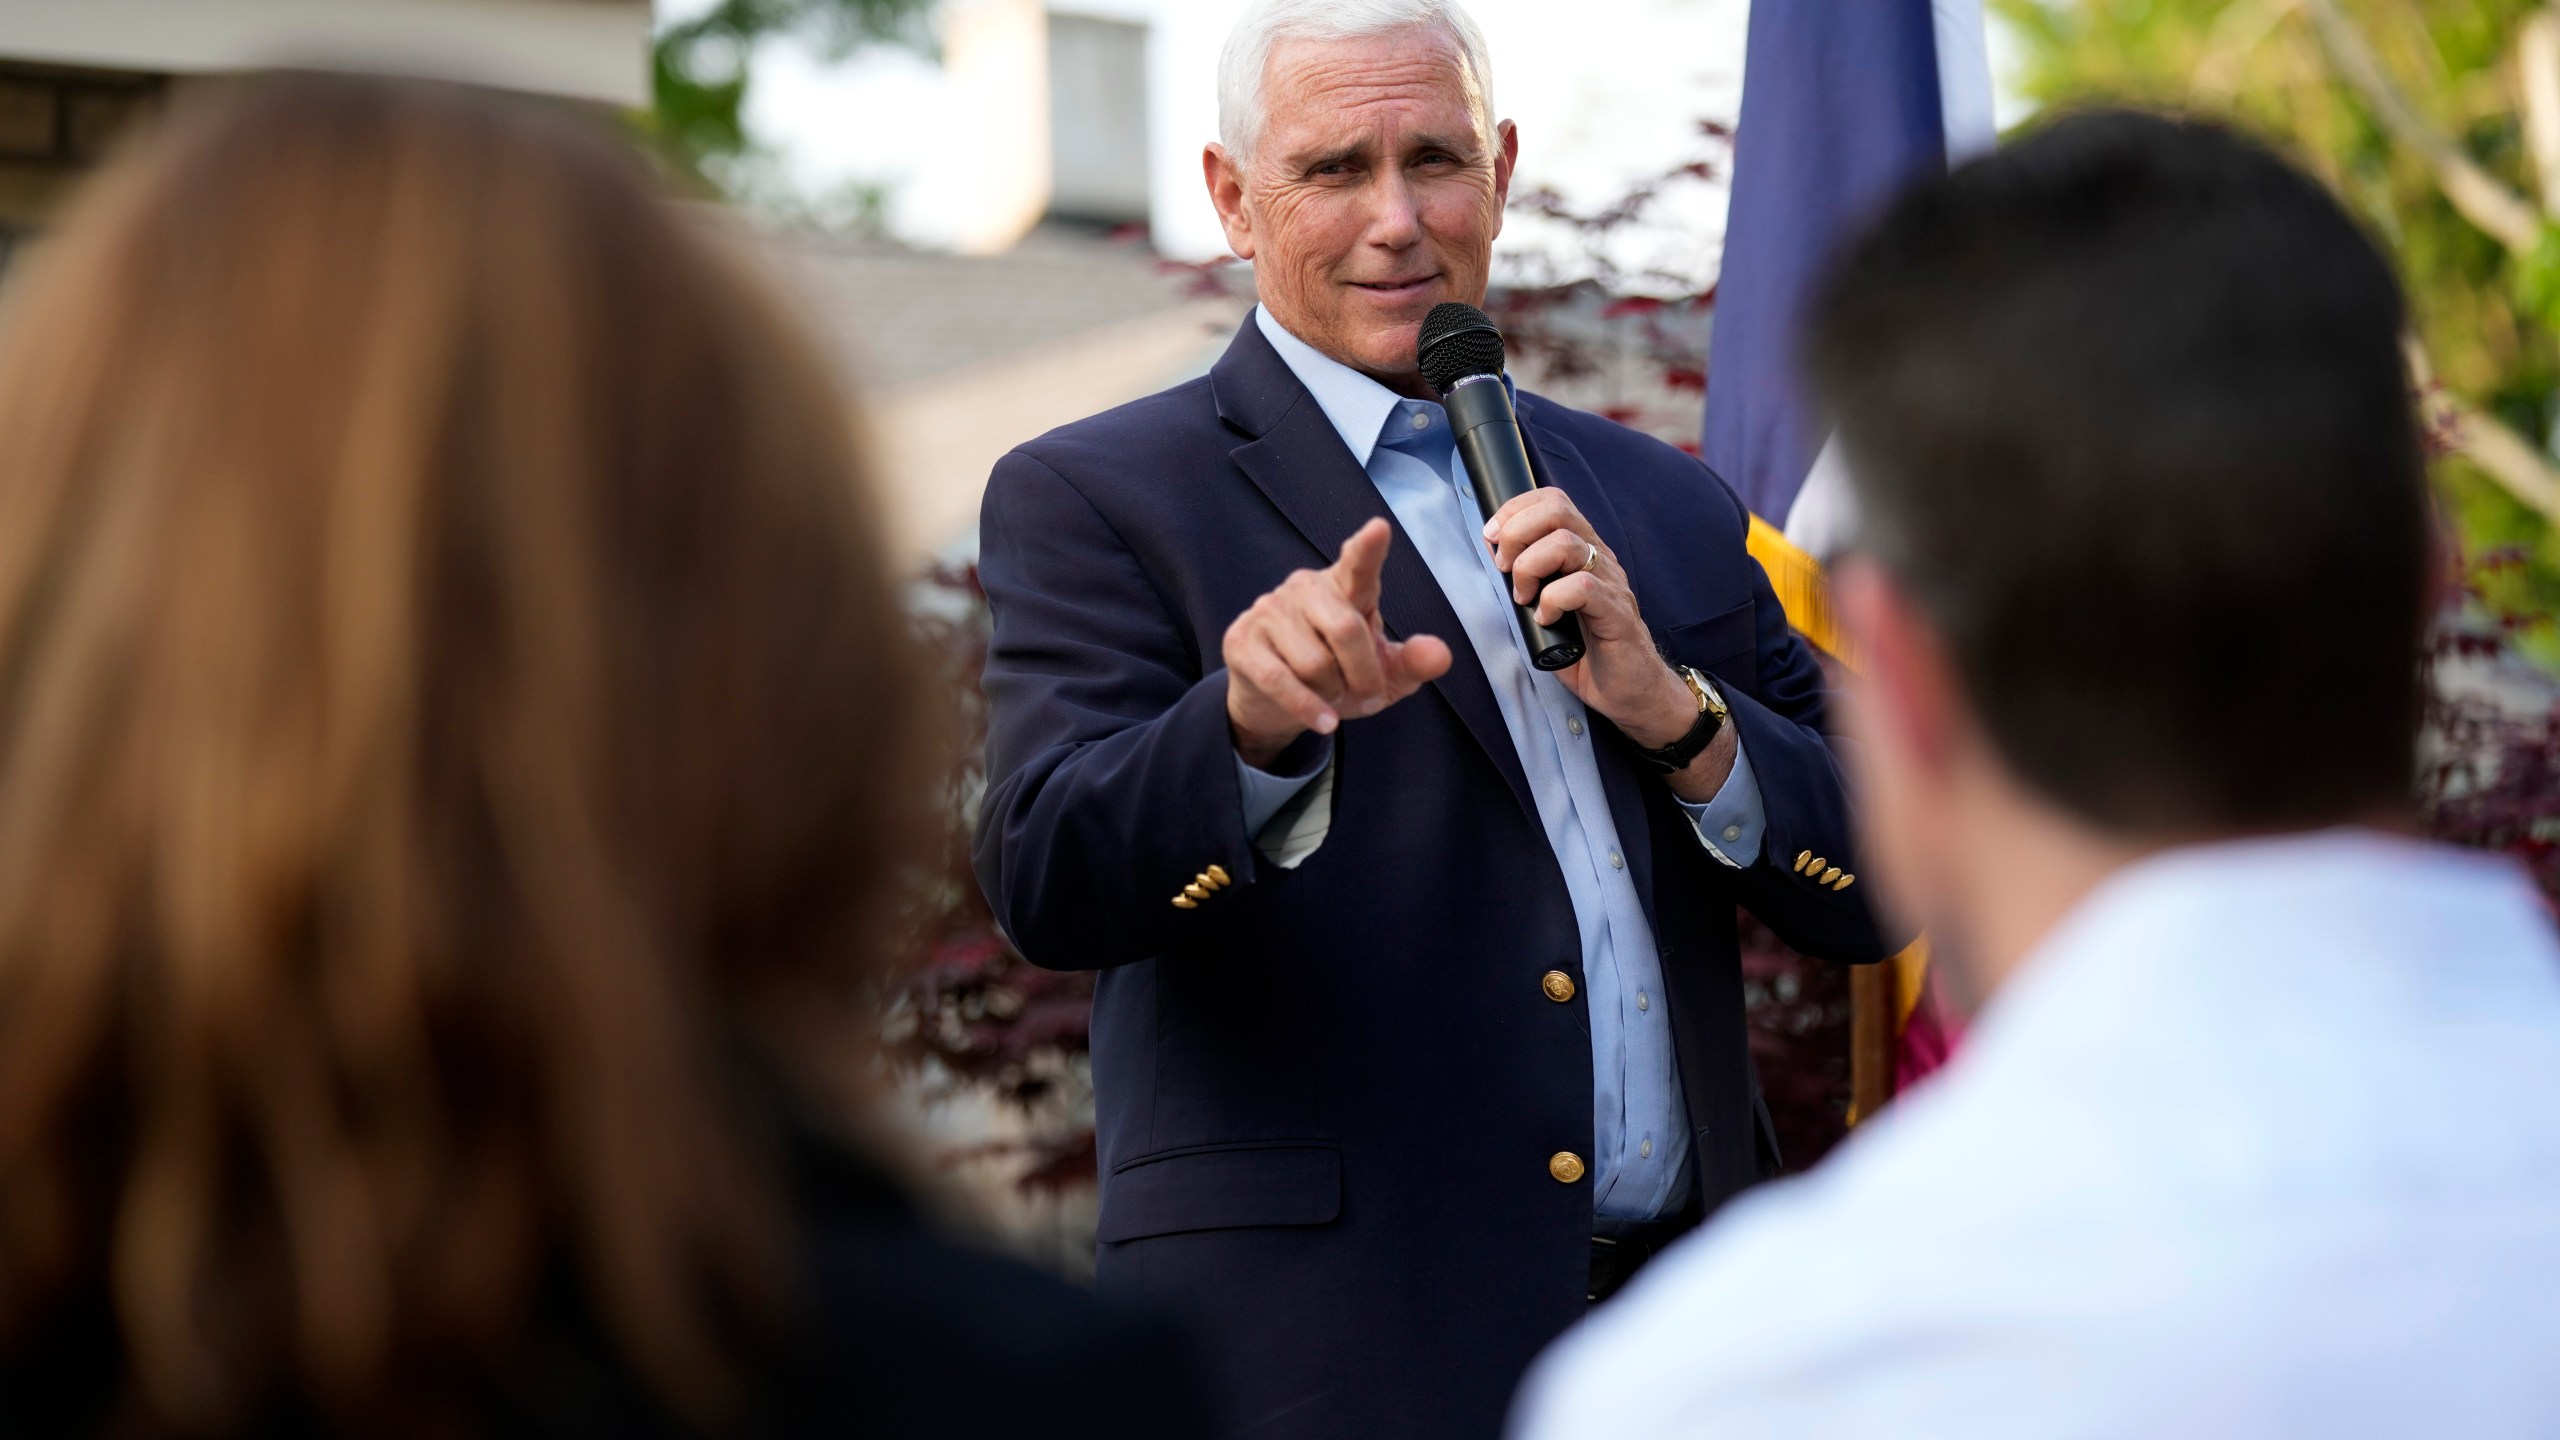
(459, 752)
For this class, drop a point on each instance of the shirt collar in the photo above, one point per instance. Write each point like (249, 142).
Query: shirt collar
(1358, 406)
(2227, 912)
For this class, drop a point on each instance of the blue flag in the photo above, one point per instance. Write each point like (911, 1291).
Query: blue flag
(1842, 106)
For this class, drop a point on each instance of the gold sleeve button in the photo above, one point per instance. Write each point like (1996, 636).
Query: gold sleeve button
(1558, 985)
(1185, 902)
(1219, 875)
(1196, 891)
(1804, 858)
(1565, 1166)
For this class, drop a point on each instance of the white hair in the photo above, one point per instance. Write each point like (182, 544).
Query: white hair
(1268, 22)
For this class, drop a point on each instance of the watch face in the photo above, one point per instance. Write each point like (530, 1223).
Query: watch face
(1706, 689)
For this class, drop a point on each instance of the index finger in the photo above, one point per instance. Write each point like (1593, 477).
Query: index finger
(1524, 520)
(1511, 509)
(1355, 573)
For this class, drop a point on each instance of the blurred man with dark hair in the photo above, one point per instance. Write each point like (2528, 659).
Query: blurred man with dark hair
(2257, 1133)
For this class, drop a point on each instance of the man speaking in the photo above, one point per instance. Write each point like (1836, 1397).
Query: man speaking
(1420, 1022)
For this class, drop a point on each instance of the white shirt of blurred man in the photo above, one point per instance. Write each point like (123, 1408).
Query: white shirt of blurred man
(2258, 1134)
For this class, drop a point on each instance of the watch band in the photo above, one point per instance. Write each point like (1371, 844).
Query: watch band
(1673, 758)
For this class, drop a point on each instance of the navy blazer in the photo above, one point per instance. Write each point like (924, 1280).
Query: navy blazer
(1327, 1096)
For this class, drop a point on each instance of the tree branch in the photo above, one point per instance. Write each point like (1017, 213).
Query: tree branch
(2510, 459)
(2236, 31)
(2480, 197)
(2538, 83)
(2517, 464)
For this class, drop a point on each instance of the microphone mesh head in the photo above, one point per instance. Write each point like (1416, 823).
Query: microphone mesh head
(1457, 341)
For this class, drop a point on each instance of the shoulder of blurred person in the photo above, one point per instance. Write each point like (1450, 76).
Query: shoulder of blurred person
(2259, 1143)
(912, 1326)
(903, 1327)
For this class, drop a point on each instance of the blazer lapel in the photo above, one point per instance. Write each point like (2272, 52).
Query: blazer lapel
(1300, 464)
(1555, 462)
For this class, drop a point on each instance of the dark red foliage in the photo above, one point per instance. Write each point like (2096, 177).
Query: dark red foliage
(2491, 778)
(1571, 332)
(2440, 426)
(1217, 279)
(1799, 1014)
(1568, 315)
(969, 1010)
(984, 1013)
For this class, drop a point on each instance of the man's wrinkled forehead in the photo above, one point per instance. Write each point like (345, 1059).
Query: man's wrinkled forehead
(1328, 96)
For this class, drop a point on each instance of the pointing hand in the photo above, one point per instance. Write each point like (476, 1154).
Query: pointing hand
(1313, 653)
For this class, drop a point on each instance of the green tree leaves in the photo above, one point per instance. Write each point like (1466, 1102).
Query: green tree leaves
(702, 67)
(2487, 315)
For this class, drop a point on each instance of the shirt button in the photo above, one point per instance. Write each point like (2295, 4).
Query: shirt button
(1643, 1001)
(1421, 421)
(1573, 724)
(1617, 861)
(1733, 832)
(1645, 1150)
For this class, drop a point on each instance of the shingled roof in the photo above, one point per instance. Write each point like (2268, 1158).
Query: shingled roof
(906, 316)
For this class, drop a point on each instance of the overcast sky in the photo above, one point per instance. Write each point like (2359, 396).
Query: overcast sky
(1605, 92)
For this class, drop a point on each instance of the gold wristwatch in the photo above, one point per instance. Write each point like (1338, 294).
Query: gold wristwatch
(1673, 758)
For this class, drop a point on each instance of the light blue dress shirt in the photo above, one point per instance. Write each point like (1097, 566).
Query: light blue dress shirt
(2258, 1140)
(1640, 1125)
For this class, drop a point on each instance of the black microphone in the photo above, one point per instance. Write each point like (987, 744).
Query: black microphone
(1460, 353)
